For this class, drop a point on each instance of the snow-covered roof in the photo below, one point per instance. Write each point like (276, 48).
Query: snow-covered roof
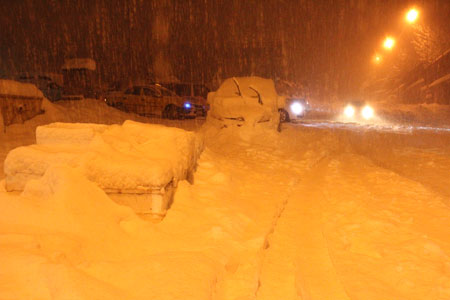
(79, 63)
(15, 88)
(440, 80)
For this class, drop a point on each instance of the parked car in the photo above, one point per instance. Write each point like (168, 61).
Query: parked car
(194, 93)
(151, 100)
(246, 100)
(52, 90)
(18, 102)
(295, 108)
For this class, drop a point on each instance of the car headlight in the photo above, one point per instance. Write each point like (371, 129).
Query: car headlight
(367, 112)
(349, 111)
(297, 108)
(187, 105)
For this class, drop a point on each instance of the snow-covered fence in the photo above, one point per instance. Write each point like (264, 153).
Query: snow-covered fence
(19, 102)
(138, 165)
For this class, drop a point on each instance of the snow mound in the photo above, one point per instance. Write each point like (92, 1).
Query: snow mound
(133, 156)
(63, 238)
(15, 88)
(250, 99)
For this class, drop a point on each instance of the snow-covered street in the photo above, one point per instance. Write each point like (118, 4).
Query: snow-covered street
(224, 150)
(314, 212)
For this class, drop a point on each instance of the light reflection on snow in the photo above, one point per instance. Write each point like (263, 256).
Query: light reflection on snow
(382, 126)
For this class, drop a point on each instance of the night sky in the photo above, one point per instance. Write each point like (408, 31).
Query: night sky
(325, 46)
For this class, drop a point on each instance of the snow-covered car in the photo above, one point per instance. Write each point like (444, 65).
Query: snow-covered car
(45, 82)
(295, 108)
(138, 165)
(152, 100)
(358, 111)
(18, 102)
(248, 100)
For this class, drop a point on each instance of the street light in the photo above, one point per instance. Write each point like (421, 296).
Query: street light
(412, 15)
(377, 59)
(389, 42)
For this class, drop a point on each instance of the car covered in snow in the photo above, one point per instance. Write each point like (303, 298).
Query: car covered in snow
(295, 108)
(18, 102)
(247, 100)
(151, 100)
(47, 83)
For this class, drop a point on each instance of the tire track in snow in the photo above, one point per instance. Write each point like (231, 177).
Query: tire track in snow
(298, 263)
(271, 231)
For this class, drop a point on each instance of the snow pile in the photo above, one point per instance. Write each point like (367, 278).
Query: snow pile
(63, 238)
(248, 99)
(79, 63)
(15, 88)
(133, 156)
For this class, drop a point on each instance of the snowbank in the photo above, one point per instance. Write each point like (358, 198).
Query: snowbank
(249, 99)
(79, 63)
(63, 238)
(15, 88)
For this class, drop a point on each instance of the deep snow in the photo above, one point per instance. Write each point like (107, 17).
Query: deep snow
(313, 212)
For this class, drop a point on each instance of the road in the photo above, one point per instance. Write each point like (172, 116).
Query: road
(362, 212)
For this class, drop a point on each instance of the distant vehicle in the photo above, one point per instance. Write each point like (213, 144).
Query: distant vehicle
(52, 90)
(151, 100)
(295, 108)
(194, 93)
(356, 111)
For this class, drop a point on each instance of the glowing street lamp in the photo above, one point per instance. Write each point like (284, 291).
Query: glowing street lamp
(377, 59)
(389, 43)
(412, 15)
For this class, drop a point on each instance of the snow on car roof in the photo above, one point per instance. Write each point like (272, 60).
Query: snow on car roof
(15, 88)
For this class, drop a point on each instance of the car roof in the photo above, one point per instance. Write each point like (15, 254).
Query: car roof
(151, 86)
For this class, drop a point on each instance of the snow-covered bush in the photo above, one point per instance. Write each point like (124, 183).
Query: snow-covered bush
(247, 100)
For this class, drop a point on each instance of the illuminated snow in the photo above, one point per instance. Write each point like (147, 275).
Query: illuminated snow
(311, 212)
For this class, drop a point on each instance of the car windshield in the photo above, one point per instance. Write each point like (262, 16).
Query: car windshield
(167, 93)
